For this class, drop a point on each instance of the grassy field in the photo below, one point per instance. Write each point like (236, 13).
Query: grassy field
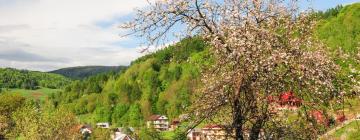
(348, 132)
(40, 93)
(352, 107)
(167, 135)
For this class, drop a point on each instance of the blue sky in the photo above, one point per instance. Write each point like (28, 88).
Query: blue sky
(50, 34)
(325, 4)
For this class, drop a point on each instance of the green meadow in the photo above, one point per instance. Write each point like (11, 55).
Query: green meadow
(41, 93)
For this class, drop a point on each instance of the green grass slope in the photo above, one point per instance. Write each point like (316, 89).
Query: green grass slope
(339, 29)
(37, 94)
(341, 33)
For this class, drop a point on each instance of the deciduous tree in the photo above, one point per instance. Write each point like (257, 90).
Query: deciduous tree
(261, 49)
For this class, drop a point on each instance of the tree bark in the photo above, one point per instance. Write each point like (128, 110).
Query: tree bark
(255, 130)
(238, 120)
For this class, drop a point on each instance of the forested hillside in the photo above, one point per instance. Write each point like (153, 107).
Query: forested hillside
(342, 28)
(339, 30)
(160, 83)
(13, 78)
(82, 72)
(165, 82)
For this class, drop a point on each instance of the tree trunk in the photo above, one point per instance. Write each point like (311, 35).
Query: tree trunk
(238, 120)
(255, 130)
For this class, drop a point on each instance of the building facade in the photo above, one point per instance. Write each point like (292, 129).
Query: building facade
(158, 122)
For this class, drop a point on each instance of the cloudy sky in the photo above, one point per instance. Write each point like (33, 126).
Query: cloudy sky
(50, 34)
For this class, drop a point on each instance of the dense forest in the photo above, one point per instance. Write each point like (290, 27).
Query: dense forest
(158, 83)
(164, 82)
(13, 78)
(82, 72)
(339, 30)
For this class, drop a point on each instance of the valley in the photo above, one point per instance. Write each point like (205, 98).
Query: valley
(168, 83)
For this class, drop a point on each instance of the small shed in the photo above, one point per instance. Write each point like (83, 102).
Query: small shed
(103, 125)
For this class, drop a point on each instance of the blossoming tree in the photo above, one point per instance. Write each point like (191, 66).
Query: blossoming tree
(261, 49)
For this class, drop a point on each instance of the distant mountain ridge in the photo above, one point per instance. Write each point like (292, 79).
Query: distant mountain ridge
(82, 72)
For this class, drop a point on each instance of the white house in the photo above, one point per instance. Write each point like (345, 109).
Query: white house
(121, 136)
(158, 122)
(194, 134)
(103, 125)
(85, 129)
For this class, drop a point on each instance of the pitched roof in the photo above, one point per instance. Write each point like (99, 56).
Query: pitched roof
(121, 136)
(288, 96)
(175, 121)
(153, 117)
(212, 126)
(156, 117)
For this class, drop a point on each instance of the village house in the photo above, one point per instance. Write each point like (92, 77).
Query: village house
(158, 122)
(85, 129)
(357, 117)
(103, 125)
(341, 118)
(215, 132)
(319, 117)
(121, 136)
(289, 99)
(194, 134)
(174, 124)
(286, 100)
(121, 133)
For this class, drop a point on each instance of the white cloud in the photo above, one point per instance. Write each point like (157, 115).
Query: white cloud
(50, 30)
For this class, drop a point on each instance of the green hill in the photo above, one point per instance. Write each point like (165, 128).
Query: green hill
(340, 31)
(82, 72)
(165, 82)
(159, 83)
(24, 79)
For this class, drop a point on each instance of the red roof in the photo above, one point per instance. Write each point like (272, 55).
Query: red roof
(212, 126)
(341, 118)
(288, 96)
(175, 121)
(271, 99)
(318, 115)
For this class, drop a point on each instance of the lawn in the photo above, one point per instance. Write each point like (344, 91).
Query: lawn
(348, 132)
(352, 107)
(167, 135)
(40, 93)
